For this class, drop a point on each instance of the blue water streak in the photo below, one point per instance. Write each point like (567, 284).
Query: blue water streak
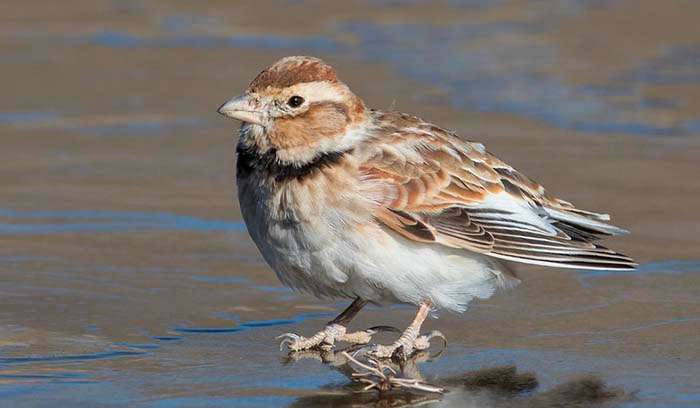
(23, 118)
(254, 324)
(116, 39)
(68, 358)
(671, 266)
(107, 221)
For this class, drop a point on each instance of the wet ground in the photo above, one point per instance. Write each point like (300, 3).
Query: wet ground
(126, 274)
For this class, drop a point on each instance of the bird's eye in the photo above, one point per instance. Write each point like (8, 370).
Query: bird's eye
(295, 101)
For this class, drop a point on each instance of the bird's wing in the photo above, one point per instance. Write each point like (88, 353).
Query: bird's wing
(437, 188)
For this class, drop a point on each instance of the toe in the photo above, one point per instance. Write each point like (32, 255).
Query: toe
(381, 351)
(423, 341)
(290, 340)
(288, 336)
(360, 337)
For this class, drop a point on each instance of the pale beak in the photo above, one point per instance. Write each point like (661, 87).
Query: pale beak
(242, 108)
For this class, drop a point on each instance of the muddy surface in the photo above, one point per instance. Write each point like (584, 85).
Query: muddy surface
(126, 274)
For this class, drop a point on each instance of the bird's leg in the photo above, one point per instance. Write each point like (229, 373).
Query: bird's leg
(334, 331)
(410, 339)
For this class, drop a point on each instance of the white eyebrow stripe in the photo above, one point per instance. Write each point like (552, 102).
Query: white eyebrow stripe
(318, 91)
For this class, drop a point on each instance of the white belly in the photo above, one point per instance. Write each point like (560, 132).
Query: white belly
(331, 253)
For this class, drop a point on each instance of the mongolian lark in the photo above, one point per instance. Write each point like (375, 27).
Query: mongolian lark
(382, 207)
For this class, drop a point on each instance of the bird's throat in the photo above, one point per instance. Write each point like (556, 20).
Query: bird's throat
(250, 160)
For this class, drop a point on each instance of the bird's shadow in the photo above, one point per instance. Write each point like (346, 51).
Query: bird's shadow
(498, 387)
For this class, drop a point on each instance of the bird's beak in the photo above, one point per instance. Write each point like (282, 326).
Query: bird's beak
(243, 109)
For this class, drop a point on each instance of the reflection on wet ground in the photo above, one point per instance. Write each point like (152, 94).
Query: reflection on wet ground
(499, 386)
(128, 278)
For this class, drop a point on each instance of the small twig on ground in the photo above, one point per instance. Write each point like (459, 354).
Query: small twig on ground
(375, 377)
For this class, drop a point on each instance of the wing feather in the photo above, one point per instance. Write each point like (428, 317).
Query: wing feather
(445, 190)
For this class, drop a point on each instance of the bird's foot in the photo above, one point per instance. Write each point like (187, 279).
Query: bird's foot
(409, 342)
(326, 338)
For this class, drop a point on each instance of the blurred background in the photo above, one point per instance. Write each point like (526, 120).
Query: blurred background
(126, 274)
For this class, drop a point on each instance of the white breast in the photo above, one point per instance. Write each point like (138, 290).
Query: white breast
(296, 233)
(331, 252)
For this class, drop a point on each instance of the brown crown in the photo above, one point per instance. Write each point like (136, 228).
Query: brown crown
(293, 70)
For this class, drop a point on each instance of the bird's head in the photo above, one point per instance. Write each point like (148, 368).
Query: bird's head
(300, 109)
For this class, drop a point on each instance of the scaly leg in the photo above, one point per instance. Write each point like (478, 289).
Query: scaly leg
(411, 339)
(334, 331)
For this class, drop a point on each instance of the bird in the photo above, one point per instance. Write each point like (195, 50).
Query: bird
(382, 207)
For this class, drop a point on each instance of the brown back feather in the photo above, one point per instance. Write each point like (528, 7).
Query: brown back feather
(439, 186)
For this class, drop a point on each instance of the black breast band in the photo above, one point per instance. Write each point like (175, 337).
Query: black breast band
(249, 159)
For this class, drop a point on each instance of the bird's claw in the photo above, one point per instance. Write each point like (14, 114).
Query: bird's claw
(326, 339)
(289, 336)
(423, 341)
(292, 341)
